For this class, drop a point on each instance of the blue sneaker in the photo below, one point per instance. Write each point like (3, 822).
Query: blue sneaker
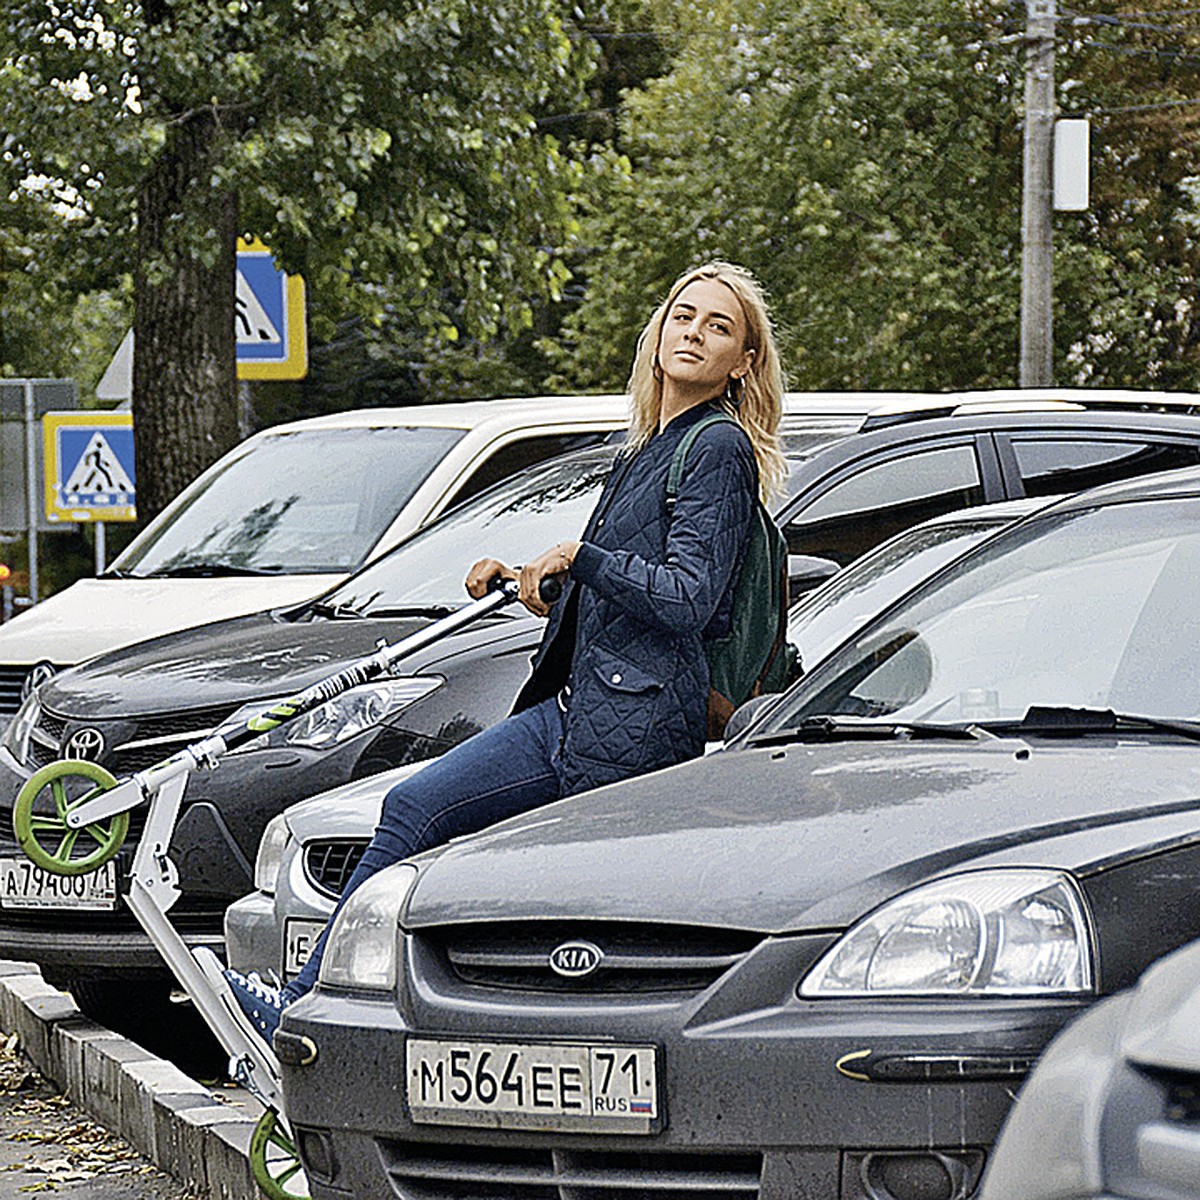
(262, 1003)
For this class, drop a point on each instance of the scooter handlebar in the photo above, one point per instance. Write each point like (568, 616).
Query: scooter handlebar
(550, 588)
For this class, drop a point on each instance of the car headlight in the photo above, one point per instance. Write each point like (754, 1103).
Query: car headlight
(1002, 931)
(338, 719)
(16, 736)
(361, 950)
(269, 860)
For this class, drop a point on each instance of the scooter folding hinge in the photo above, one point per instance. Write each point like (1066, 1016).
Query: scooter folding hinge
(126, 795)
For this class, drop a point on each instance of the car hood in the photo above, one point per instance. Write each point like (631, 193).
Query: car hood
(1162, 1026)
(801, 837)
(95, 616)
(229, 662)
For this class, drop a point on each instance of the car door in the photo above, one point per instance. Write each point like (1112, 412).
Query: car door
(1049, 463)
(854, 497)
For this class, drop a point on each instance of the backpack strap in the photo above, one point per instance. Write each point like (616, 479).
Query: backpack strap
(679, 458)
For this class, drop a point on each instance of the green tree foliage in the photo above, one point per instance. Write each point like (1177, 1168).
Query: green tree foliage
(865, 162)
(389, 152)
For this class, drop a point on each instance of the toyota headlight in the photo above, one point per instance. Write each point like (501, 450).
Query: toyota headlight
(1003, 932)
(269, 860)
(341, 718)
(16, 736)
(361, 950)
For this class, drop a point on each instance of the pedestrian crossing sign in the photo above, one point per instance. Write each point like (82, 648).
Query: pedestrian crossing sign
(89, 466)
(268, 320)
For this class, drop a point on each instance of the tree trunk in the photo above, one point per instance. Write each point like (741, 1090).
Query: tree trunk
(185, 400)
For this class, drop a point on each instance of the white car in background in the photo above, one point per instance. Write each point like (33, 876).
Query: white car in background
(288, 513)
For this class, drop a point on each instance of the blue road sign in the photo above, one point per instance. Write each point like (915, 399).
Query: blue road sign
(89, 466)
(269, 324)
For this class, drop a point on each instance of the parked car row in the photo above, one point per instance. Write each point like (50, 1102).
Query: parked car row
(819, 961)
(893, 885)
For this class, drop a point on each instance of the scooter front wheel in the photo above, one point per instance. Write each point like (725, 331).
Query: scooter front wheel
(40, 818)
(274, 1160)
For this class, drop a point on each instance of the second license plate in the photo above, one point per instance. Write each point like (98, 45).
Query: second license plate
(520, 1085)
(23, 885)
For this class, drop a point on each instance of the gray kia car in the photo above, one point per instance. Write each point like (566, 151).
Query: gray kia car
(309, 850)
(820, 962)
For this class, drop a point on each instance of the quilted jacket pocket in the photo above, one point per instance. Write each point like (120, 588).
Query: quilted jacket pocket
(621, 677)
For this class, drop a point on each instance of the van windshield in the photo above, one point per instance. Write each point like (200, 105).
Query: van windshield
(512, 522)
(311, 501)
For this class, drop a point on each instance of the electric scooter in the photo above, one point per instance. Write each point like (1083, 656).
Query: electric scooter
(71, 817)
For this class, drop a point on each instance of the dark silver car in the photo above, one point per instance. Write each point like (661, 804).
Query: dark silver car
(1112, 1110)
(820, 962)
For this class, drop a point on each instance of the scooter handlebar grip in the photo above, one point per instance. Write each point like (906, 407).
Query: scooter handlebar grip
(551, 588)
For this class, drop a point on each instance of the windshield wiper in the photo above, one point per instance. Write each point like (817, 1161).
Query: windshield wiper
(334, 612)
(203, 570)
(1076, 722)
(843, 729)
(436, 611)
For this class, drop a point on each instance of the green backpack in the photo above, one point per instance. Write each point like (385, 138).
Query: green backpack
(755, 657)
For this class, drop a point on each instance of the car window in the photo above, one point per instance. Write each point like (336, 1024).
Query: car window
(309, 501)
(1051, 465)
(1086, 609)
(868, 585)
(879, 500)
(524, 452)
(512, 522)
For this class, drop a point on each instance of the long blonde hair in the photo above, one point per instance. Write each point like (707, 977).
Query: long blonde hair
(762, 399)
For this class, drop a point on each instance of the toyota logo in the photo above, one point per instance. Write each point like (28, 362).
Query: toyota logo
(85, 743)
(574, 960)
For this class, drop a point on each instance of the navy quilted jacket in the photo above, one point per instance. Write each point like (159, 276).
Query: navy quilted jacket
(646, 587)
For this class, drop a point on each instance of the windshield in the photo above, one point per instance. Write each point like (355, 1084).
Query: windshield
(868, 585)
(513, 522)
(307, 502)
(1091, 609)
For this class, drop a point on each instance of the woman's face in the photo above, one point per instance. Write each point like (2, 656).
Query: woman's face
(703, 337)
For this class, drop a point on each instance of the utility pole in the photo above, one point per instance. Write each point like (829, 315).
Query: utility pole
(1037, 237)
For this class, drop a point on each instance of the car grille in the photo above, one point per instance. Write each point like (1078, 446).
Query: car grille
(328, 864)
(637, 958)
(11, 679)
(450, 1172)
(134, 743)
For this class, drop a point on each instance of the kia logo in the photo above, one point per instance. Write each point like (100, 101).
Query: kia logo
(84, 743)
(574, 960)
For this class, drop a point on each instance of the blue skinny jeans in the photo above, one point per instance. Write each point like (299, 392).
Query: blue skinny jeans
(500, 772)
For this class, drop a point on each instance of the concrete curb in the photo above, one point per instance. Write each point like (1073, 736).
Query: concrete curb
(166, 1116)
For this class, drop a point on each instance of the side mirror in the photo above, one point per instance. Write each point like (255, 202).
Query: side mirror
(741, 717)
(807, 571)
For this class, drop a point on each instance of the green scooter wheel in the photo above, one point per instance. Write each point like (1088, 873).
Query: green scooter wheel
(274, 1160)
(40, 818)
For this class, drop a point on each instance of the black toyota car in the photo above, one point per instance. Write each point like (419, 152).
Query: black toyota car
(820, 962)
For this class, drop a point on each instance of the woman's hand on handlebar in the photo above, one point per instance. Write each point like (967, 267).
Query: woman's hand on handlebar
(555, 561)
(481, 576)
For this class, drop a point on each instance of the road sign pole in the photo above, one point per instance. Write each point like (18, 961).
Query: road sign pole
(100, 548)
(31, 496)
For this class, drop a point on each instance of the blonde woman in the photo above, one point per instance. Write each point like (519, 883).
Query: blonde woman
(620, 680)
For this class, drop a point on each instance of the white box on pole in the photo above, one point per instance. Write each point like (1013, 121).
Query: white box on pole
(1072, 138)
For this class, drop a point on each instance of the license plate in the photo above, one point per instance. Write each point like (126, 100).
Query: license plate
(23, 885)
(520, 1085)
(299, 937)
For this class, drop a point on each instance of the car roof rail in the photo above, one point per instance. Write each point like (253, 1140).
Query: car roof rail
(963, 404)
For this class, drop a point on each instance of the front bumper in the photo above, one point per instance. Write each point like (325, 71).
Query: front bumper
(754, 1101)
